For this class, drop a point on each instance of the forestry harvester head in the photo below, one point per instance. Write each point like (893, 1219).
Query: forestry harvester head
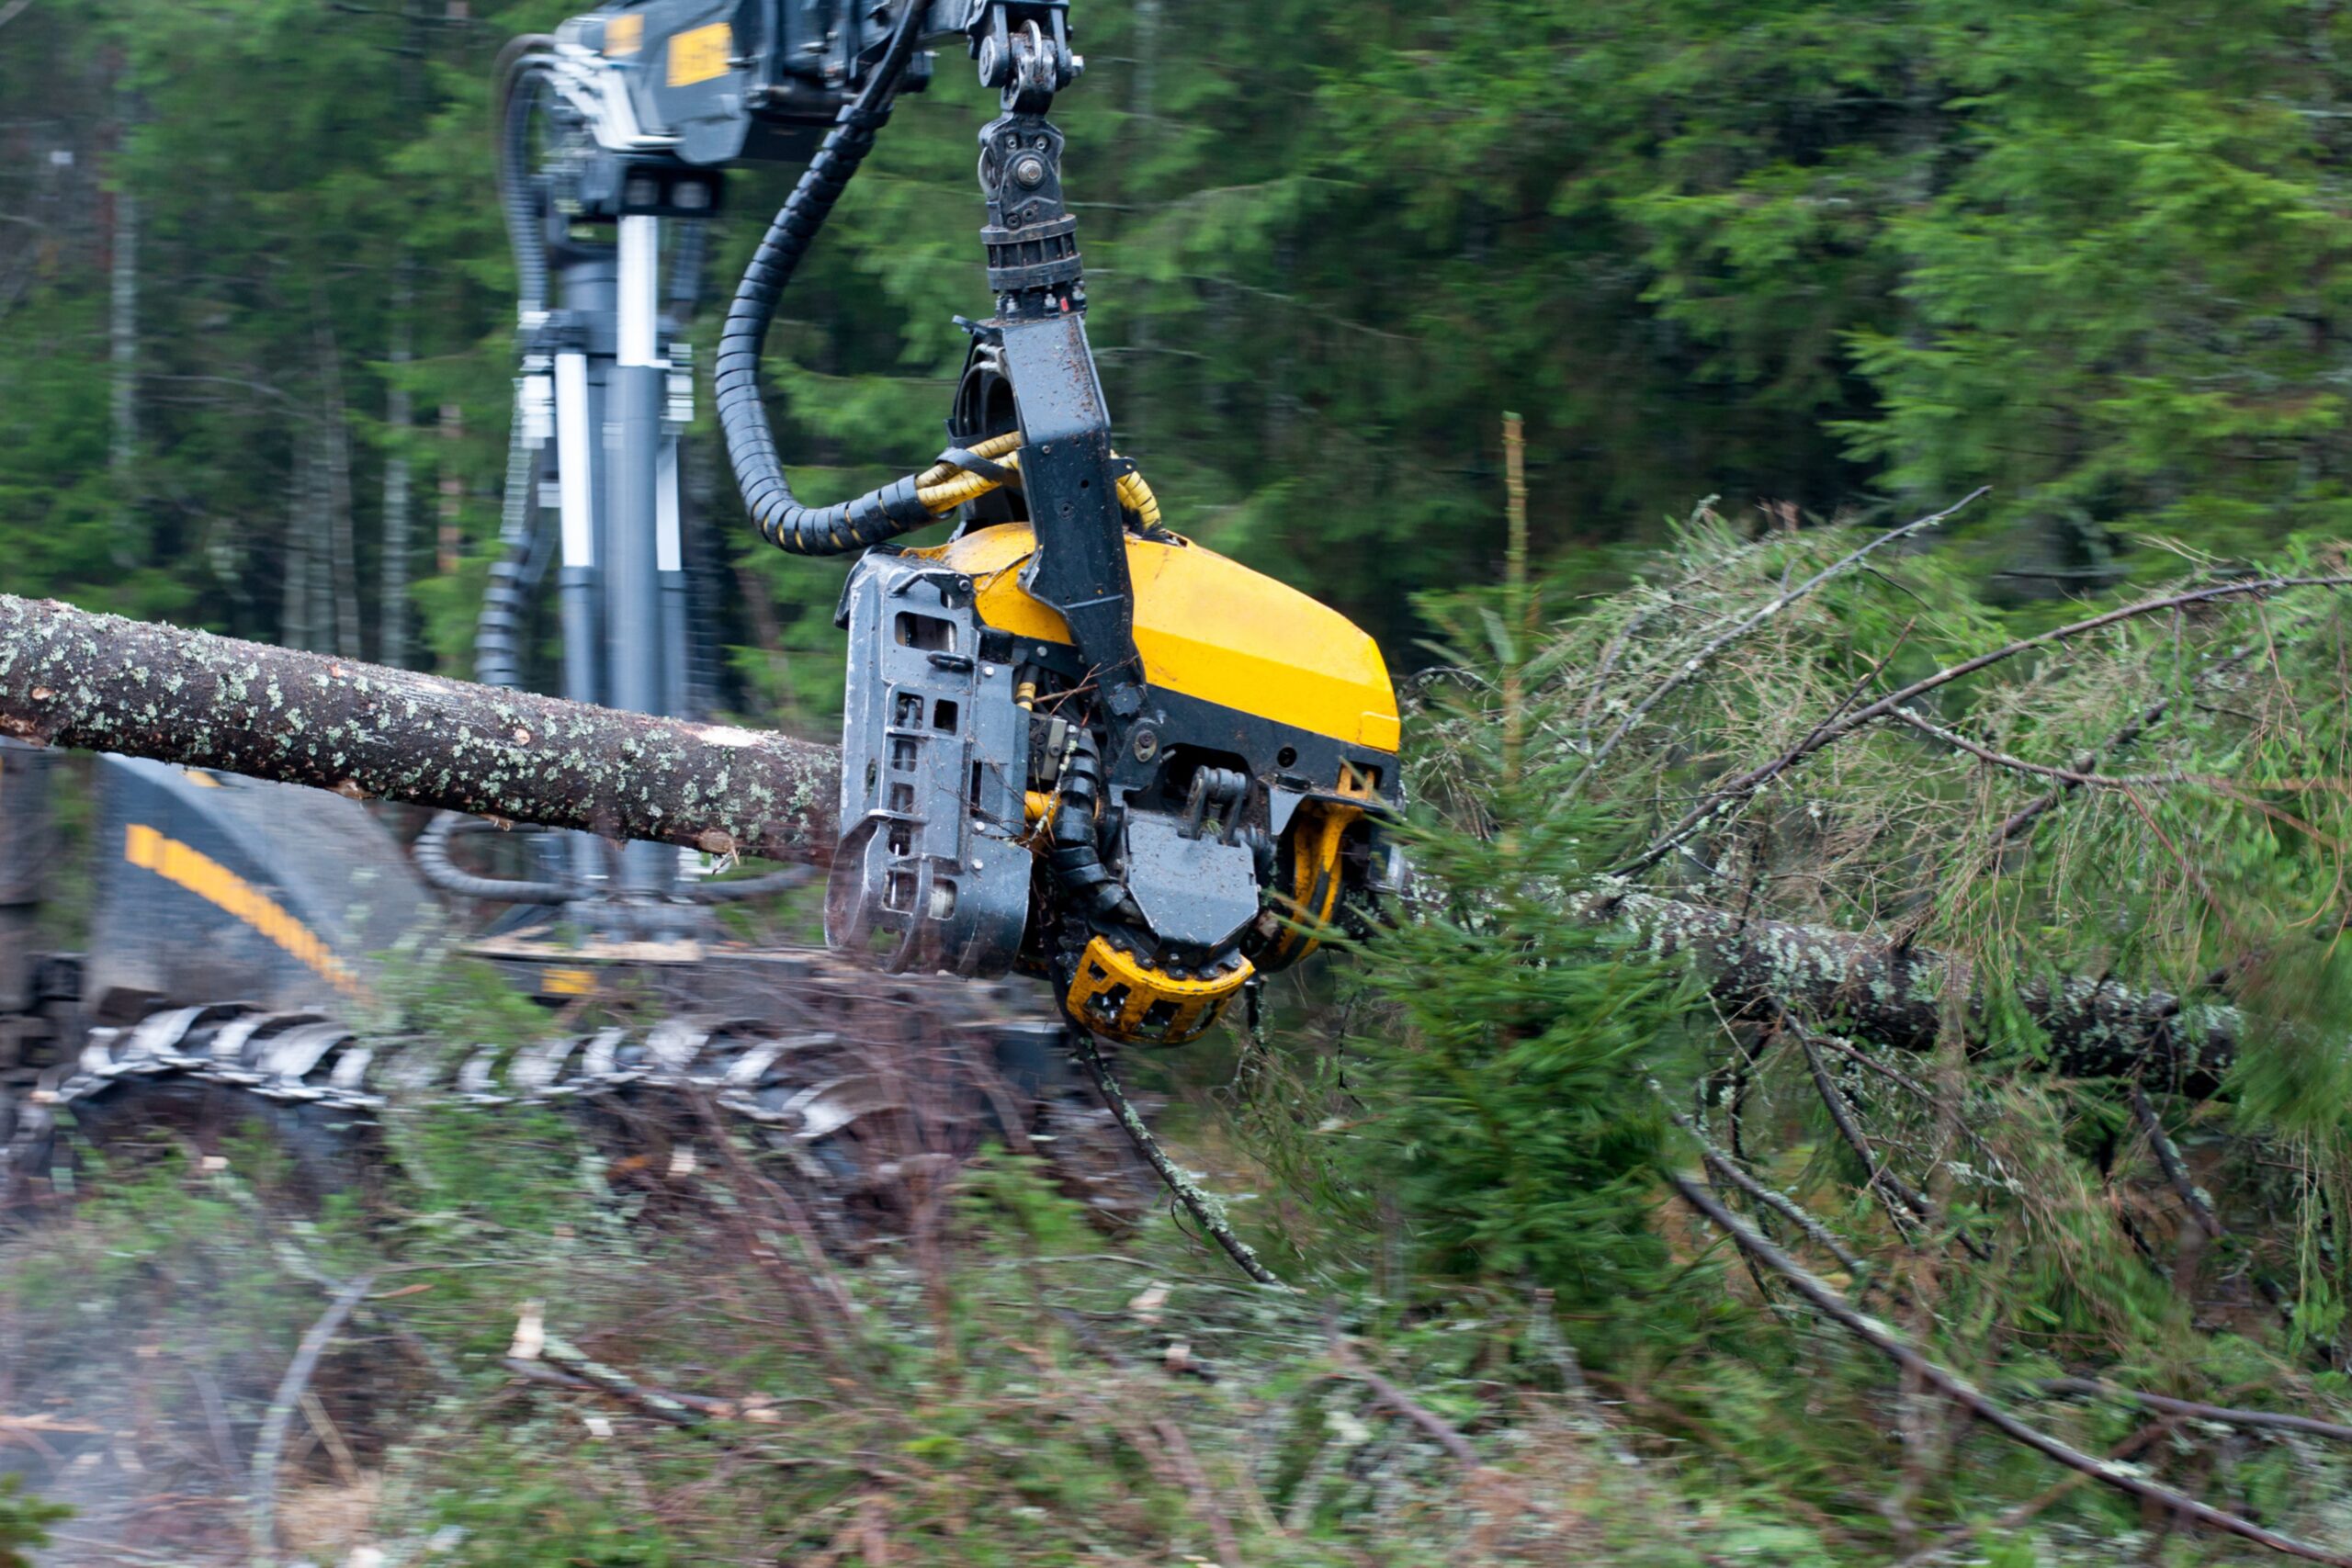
(1075, 743)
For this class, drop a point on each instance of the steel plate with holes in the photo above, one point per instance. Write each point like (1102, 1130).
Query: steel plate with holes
(934, 761)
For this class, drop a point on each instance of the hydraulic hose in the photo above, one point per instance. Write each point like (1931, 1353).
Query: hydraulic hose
(1076, 859)
(518, 63)
(944, 486)
(430, 853)
(782, 520)
(761, 886)
(433, 862)
(498, 650)
(498, 630)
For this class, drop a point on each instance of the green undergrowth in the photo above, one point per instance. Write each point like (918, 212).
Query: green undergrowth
(1015, 1387)
(1509, 1339)
(1010, 1386)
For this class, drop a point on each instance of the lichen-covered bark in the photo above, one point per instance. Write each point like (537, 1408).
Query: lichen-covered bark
(1890, 994)
(70, 678)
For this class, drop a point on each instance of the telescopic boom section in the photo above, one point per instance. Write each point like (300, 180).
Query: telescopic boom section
(1081, 566)
(1067, 470)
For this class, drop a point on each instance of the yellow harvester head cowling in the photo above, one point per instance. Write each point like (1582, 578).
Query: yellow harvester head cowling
(1209, 627)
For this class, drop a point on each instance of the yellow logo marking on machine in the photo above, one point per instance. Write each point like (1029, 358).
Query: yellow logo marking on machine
(625, 34)
(568, 982)
(1127, 999)
(215, 884)
(700, 53)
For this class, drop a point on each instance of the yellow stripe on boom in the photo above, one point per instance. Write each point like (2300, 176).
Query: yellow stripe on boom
(215, 884)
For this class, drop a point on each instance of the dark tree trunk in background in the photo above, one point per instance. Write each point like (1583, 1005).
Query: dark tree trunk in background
(340, 531)
(294, 555)
(391, 636)
(122, 328)
(400, 413)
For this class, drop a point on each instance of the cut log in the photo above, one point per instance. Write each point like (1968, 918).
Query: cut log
(70, 678)
(1870, 986)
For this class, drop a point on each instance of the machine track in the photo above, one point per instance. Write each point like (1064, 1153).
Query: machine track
(844, 1108)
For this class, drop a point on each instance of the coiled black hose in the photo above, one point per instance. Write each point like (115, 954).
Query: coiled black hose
(498, 650)
(782, 520)
(519, 63)
(430, 853)
(1076, 859)
(498, 629)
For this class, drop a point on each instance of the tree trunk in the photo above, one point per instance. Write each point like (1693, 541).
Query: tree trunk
(317, 541)
(294, 598)
(122, 346)
(1893, 994)
(1145, 135)
(342, 532)
(453, 492)
(70, 678)
(391, 637)
(400, 413)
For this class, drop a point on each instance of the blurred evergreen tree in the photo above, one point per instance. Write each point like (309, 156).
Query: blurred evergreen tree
(1828, 259)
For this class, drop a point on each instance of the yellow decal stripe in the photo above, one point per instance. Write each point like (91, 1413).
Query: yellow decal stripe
(215, 884)
(700, 53)
(568, 982)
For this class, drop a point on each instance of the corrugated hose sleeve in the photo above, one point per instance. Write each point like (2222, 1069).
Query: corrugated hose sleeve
(431, 854)
(780, 517)
(498, 634)
(519, 66)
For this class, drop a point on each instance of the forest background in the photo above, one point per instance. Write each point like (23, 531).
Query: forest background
(1833, 261)
(1764, 280)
